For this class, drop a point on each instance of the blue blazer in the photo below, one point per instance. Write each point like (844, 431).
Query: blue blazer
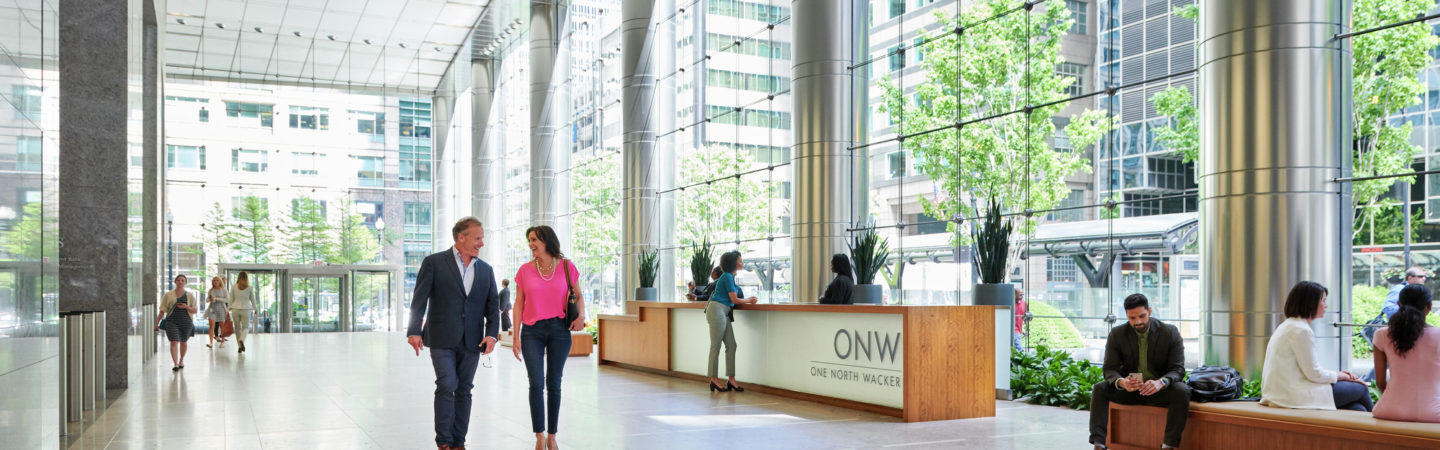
(443, 315)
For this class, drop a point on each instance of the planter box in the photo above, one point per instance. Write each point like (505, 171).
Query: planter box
(994, 294)
(868, 294)
(646, 294)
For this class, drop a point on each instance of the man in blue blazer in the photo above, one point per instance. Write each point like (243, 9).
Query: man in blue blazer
(455, 312)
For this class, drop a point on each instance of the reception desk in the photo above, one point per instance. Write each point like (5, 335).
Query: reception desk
(919, 363)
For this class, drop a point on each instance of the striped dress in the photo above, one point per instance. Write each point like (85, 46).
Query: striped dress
(178, 324)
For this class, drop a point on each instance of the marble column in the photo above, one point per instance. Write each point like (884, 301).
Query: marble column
(153, 178)
(94, 89)
(1275, 132)
(487, 178)
(822, 158)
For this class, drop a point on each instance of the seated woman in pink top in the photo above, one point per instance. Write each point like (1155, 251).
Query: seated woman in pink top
(1411, 350)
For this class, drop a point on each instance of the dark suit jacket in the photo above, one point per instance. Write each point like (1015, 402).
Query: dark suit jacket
(702, 293)
(1167, 352)
(451, 319)
(839, 292)
(505, 300)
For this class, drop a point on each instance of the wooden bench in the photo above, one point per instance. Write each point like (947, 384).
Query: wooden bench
(1247, 425)
(581, 343)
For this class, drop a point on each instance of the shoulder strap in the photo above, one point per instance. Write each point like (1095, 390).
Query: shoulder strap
(569, 288)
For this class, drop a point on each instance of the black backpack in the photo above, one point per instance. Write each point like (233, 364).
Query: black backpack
(1215, 384)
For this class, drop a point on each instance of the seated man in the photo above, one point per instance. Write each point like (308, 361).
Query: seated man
(1144, 363)
(702, 293)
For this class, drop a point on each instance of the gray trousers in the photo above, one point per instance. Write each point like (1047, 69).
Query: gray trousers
(718, 316)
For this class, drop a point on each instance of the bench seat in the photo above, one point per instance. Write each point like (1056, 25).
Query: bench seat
(1247, 425)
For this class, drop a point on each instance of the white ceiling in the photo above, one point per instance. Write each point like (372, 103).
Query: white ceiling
(330, 48)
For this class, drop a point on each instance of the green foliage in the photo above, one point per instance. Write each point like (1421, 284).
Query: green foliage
(1053, 378)
(594, 330)
(1250, 389)
(702, 261)
(868, 251)
(1008, 65)
(1183, 133)
(219, 235)
(720, 209)
(992, 245)
(1055, 333)
(1383, 224)
(253, 231)
(1190, 11)
(356, 243)
(1367, 301)
(308, 232)
(597, 218)
(649, 267)
(1112, 212)
(1386, 80)
(25, 240)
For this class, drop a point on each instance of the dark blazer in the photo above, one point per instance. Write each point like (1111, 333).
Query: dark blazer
(839, 292)
(1167, 352)
(505, 300)
(451, 319)
(702, 293)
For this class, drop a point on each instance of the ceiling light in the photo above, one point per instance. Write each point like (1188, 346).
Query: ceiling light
(180, 21)
(437, 49)
(297, 34)
(330, 37)
(366, 41)
(402, 45)
(220, 26)
(259, 30)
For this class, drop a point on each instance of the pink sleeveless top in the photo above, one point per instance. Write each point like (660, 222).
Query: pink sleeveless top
(544, 299)
(1413, 394)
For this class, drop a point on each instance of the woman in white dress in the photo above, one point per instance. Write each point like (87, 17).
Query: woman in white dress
(242, 303)
(215, 310)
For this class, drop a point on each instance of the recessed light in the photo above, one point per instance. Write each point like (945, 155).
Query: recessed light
(330, 37)
(437, 49)
(220, 26)
(259, 30)
(366, 41)
(180, 21)
(297, 34)
(402, 45)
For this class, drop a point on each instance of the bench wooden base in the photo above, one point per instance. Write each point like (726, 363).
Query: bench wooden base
(581, 343)
(1143, 427)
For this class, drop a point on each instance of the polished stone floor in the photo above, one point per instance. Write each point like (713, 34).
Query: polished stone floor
(369, 390)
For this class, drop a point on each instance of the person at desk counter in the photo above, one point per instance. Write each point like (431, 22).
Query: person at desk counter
(703, 293)
(1152, 354)
(719, 314)
(843, 285)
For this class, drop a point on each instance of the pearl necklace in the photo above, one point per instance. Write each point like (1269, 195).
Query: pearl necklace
(541, 272)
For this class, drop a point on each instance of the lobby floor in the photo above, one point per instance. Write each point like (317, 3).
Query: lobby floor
(370, 391)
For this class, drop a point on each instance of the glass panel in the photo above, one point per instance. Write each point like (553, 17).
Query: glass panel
(372, 302)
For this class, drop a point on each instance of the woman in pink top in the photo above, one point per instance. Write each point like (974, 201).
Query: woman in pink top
(542, 288)
(1411, 350)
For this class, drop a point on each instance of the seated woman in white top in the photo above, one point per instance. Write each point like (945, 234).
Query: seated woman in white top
(1293, 377)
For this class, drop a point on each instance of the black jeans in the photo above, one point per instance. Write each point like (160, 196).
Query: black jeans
(1175, 398)
(546, 346)
(454, 378)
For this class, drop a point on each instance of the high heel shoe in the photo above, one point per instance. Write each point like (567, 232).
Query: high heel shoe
(714, 388)
(732, 387)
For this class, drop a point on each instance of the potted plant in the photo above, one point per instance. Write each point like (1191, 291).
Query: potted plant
(868, 251)
(701, 262)
(992, 253)
(649, 268)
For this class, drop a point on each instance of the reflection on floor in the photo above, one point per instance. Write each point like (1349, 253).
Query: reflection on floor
(369, 390)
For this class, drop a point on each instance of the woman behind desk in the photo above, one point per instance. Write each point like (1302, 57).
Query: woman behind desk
(718, 313)
(843, 285)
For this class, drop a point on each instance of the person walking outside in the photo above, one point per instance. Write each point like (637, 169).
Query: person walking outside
(176, 312)
(242, 303)
(540, 309)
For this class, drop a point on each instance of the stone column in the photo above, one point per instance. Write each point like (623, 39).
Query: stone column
(547, 160)
(487, 178)
(822, 159)
(639, 167)
(94, 86)
(153, 178)
(1274, 100)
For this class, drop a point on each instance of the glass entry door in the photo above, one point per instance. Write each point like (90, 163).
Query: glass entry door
(372, 302)
(316, 303)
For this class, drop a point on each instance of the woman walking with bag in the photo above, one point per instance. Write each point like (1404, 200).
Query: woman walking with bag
(242, 303)
(215, 310)
(175, 313)
(547, 309)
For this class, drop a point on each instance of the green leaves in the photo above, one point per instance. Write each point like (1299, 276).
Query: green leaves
(308, 233)
(1183, 134)
(1052, 378)
(649, 267)
(701, 263)
(253, 231)
(992, 244)
(721, 209)
(868, 251)
(597, 217)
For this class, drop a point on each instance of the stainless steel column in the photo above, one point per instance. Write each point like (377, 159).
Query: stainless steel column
(75, 359)
(663, 63)
(147, 332)
(64, 363)
(98, 318)
(640, 170)
(444, 170)
(487, 179)
(87, 360)
(1275, 131)
(822, 161)
(547, 188)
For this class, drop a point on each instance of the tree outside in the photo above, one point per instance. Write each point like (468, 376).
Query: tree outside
(1000, 68)
(356, 243)
(597, 216)
(24, 241)
(720, 210)
(308, 232)
(253, 232)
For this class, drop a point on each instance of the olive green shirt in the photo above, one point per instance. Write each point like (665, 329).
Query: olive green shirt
(1145, 356)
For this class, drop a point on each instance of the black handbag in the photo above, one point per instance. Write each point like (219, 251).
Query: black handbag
(572, 308)
(1215, 384)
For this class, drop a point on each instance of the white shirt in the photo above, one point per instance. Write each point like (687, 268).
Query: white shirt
(466, 275)
(1293, 377)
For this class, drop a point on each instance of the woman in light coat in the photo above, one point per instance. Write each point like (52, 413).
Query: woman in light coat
(1293, 377)
(242, 303)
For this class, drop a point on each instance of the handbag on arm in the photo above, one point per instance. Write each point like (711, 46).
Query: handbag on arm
(572, 310)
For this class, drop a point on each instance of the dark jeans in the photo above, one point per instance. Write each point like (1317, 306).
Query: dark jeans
(1175, 398)
(454, 377)
(1352, 396)
(546, 346)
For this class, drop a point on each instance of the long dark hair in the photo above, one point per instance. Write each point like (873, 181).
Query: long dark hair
(1408, 323)
(840, 264)
(547, 235)
(1304, 300)
(730, 261)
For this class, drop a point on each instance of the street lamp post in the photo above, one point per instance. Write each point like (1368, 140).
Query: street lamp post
(380, 238)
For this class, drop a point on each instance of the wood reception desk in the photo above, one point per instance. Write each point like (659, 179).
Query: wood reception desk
(919, 363)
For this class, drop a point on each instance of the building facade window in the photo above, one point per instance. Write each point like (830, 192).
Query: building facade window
(185, 157)
(238, 203)
(763, 48)
(27, 102)
(305, 163)
(320, 206)
(1075, 199)
(897, 8)
(415, 165)
(370, 124)
(253, 161)
(415, 118)
(749, 117)
(418, 225)
(748, 10)
(266, 113)
(1061, 270)
(309, 118)
(897, 58)
(1076, 72)
(896, 164)
(746, 81)
(371, 171)
(1079, 10)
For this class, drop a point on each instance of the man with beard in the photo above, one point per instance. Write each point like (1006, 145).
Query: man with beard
(1144, 363)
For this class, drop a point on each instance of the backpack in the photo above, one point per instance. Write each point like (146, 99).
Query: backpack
(1215, 384)
(1369, 332)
